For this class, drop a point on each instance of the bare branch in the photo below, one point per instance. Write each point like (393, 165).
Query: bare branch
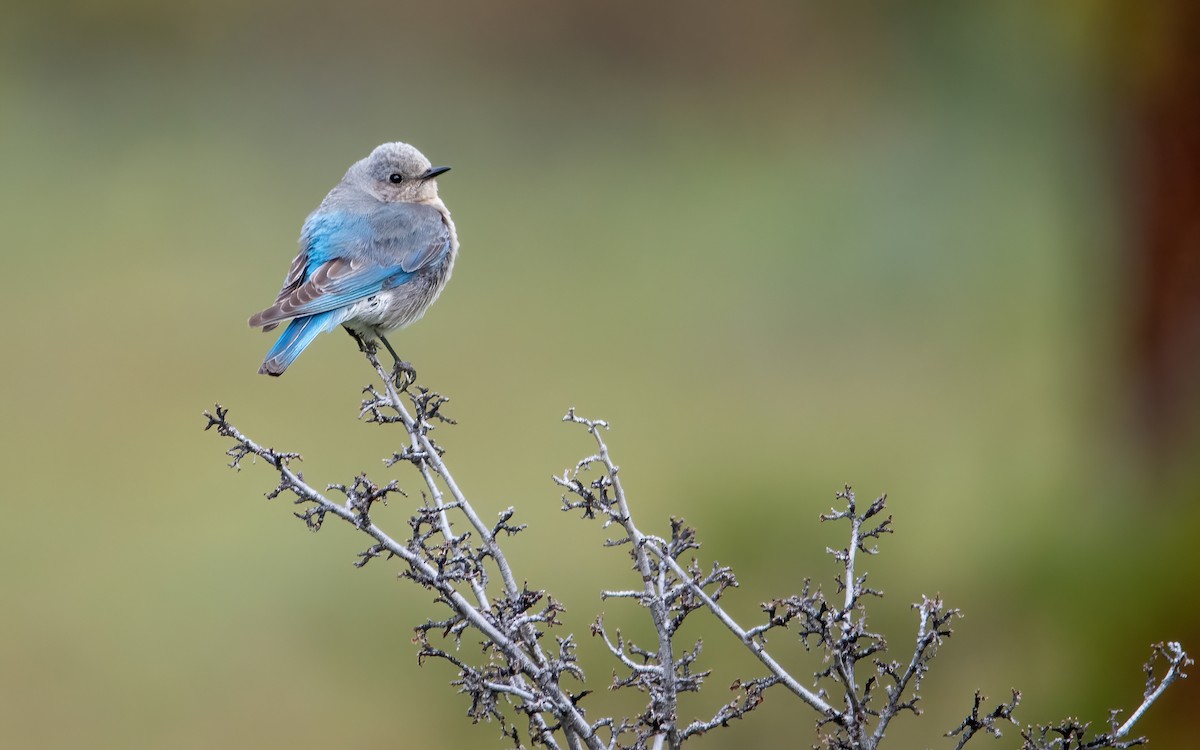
(518, 676)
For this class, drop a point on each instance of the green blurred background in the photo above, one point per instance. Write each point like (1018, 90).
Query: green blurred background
(945, 251)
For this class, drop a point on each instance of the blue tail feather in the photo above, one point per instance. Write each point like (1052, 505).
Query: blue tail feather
(296, 338)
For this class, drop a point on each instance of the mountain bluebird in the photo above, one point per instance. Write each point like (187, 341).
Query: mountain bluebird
(373, 257)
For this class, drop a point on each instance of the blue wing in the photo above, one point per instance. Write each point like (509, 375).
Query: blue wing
(346, 256)
(296, 338)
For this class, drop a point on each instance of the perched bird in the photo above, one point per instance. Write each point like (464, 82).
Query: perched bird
(373, 257)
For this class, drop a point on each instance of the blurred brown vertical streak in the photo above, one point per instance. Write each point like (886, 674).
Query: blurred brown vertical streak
(1164, 260)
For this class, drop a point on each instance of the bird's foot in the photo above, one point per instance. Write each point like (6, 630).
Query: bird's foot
(405, 375)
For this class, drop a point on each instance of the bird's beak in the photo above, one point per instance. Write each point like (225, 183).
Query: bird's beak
(434, 172)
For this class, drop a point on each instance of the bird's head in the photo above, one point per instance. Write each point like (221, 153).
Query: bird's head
(395, 173)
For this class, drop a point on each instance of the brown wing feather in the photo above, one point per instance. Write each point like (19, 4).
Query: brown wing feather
(296, 293)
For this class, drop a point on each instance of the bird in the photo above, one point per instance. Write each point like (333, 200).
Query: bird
(374, 255)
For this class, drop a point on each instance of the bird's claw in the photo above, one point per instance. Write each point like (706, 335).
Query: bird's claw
(405, 374)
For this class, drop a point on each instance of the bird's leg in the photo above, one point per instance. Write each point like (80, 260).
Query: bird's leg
(365, 345)
(405, 373)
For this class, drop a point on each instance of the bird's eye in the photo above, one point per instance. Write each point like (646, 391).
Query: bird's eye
(396, 178)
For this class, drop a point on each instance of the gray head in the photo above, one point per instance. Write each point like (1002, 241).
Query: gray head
(394, 173)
